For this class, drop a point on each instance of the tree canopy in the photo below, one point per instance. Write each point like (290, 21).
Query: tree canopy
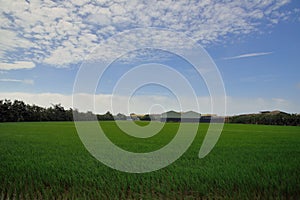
(18, 111)
(278, 118)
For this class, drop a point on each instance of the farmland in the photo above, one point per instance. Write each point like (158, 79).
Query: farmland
(41, 160)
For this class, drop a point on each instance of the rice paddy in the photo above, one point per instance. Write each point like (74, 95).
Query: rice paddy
(46, 160)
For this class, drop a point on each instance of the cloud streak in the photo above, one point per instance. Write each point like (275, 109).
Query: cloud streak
(17, 65)
(248, 55)
(26, 81)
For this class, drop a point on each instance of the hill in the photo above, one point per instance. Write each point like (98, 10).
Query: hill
(275, 117)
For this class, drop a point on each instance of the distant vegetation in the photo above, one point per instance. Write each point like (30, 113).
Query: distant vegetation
(18, 111)
(267, 118)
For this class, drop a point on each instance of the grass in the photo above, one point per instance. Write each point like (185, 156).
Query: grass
(46, 160)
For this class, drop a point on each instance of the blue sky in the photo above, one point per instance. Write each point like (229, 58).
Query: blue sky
(254, 44)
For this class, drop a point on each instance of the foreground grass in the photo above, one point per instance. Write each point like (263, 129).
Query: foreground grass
(47, 160)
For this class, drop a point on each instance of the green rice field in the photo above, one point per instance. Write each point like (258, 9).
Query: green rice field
(46, 160)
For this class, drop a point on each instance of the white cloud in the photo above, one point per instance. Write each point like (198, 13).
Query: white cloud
(253, 105)
(248, 55)
(41, 99)
(40, 28)
(99, 19)
(144, 103)
(26, 81)
(17, 65)
(10, 41)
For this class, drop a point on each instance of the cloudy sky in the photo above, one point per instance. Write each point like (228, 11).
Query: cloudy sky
(255, 45)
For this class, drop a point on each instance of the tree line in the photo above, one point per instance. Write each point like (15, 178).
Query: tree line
(18, 111)
(277, 118)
